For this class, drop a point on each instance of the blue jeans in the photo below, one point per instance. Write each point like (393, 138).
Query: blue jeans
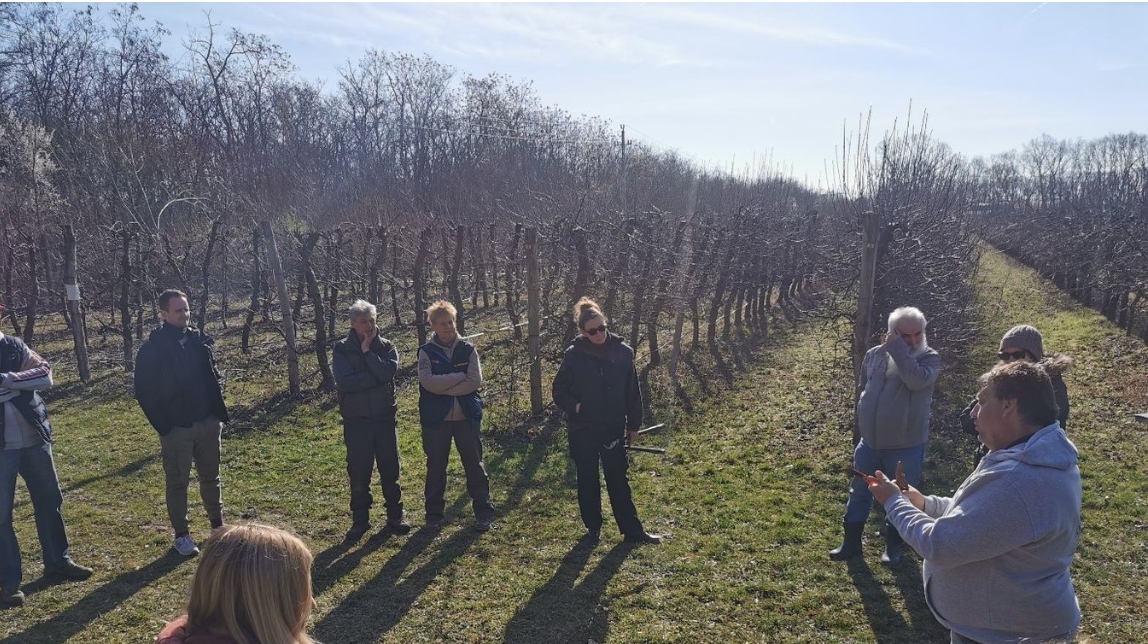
(38, 470)
(870, 460)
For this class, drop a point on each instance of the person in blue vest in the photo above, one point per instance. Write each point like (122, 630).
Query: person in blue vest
(450, 409)
(26, 449)
(597, 387)
(365, 366)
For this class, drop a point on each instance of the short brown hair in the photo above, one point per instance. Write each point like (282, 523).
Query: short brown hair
(1029, 385)
(585, 310)
(169, 295)
(440, 308)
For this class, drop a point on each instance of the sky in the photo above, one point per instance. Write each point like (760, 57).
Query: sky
(736, 85)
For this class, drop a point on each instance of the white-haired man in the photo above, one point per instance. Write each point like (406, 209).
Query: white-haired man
(896, 382)
(365, 367)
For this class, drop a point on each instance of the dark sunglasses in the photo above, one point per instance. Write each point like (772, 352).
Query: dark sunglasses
(1013, 355)
(596, 330)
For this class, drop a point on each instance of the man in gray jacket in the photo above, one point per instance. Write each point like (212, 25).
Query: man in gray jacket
(997, 553)
(896, 383)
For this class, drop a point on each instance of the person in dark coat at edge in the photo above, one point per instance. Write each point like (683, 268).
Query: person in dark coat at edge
(450, 408)
(597, 387)
(365, 366)
(178, 388)
(1025, 343)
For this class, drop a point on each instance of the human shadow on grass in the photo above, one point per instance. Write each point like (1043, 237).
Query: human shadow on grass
(77, 617)
(269, 411)
(564, 611)
(101, 388)
(124, 470)
(333, 563)
(380, 604)
(887, 624)
(912, 587)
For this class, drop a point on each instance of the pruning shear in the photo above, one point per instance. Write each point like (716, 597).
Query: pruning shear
(900, 479)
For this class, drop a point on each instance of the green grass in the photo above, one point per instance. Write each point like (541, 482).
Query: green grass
(751, 494)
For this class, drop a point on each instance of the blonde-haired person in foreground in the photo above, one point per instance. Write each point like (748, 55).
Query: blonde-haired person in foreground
(252, 586)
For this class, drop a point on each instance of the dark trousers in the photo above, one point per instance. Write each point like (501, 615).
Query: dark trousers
(436, 444)
(588, 448)
(370, 442)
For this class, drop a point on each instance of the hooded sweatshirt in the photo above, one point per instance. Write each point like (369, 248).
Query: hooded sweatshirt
(997, 553)
(893, 410)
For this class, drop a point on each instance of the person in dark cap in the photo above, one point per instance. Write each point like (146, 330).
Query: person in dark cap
(1024, 342)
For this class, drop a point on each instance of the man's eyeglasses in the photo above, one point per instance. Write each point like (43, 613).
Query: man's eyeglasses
(596, 330)
(1009, 356)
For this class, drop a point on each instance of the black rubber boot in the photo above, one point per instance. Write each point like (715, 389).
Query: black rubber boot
(851, 546)
(893, 542)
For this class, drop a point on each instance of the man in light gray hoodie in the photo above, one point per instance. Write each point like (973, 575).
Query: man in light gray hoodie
(997, 553)
(896, 383)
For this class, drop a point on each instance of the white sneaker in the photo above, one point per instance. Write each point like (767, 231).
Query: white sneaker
(185, 546)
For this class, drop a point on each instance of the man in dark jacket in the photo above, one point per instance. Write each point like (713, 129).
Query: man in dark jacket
(178, 388)
(450, 408)
(26, 449)
(365, 366)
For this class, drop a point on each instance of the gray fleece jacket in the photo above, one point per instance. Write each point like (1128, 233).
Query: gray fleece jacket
(893, 411)
(997, 553)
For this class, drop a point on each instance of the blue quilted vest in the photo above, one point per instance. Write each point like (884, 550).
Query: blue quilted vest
(28, 403)
(433, 408)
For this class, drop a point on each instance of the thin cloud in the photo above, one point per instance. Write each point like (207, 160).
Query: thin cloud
(584, 34)
(789, 33)
(1120, 67)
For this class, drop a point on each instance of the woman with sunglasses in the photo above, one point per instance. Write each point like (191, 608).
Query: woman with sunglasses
(597, 387)
(1024, 342)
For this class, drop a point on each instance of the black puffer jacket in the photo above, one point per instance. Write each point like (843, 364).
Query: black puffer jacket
(161, 379)
(604, 380)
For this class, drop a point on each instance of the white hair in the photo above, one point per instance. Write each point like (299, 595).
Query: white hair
(363, 308)
(906, 313)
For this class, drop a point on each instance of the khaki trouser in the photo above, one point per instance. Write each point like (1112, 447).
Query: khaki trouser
(182, 446)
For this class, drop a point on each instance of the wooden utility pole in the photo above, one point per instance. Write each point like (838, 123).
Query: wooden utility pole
(533, 308)
(862, 323)
(72, 294)
(623, 182)
(284, 307)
